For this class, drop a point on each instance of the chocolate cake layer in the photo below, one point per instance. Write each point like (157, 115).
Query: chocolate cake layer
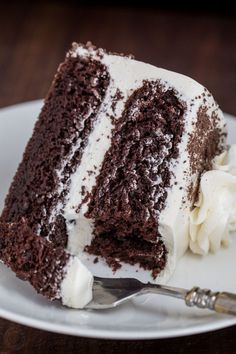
(132, 186)
(33, 258)
(55, 149)
(132, 250)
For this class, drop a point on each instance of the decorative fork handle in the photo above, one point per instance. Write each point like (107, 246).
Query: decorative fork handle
(221, 302)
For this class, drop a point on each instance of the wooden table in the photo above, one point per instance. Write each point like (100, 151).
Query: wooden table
(33, 40)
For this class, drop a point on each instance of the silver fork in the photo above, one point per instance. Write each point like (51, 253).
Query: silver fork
(110, 292)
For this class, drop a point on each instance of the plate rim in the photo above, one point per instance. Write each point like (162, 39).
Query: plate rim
(79, 330)
(121, 335)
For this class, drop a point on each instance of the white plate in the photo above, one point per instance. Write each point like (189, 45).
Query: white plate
(146, 317)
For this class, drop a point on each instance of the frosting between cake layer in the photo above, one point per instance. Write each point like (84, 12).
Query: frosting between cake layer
(76, 287)
(85, 175)
(214, 215)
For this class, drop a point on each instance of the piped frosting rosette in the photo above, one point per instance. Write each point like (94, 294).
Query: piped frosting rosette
(214, 215)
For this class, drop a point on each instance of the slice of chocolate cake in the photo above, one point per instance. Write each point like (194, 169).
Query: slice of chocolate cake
(112, 168)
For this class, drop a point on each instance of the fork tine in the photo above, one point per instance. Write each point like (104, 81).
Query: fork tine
(119, 283)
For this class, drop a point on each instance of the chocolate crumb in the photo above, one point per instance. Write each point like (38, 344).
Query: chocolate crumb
(33, 258)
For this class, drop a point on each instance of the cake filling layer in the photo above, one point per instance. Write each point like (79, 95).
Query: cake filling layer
(76, 286)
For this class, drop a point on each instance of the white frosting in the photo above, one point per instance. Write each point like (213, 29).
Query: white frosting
(214, 215)
(226, 161)
(127, 75)
(85, 175)
(76, 287)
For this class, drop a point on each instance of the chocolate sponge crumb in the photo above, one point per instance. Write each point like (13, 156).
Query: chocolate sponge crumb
(33, 258)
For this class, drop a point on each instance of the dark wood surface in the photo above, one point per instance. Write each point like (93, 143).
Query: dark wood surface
(33, 40)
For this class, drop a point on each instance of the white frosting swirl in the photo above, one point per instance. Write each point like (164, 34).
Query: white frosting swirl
(214, 215)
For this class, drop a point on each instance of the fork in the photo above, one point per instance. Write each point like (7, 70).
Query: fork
(110, 292)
